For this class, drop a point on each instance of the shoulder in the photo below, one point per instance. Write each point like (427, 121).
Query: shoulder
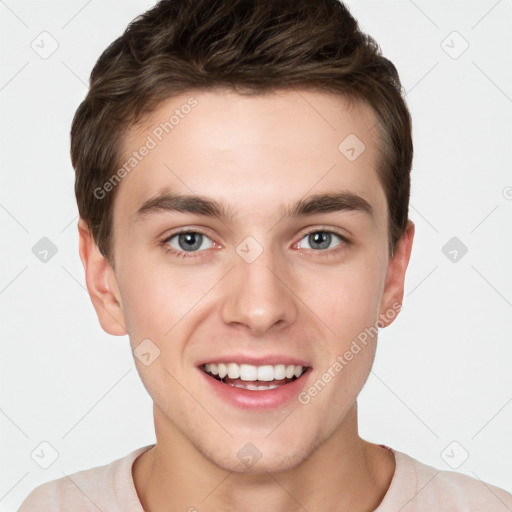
(467, 493)
(418, 487)
(56, 496)
(99, 488)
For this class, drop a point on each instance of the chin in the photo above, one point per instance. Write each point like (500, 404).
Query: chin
(260, 457)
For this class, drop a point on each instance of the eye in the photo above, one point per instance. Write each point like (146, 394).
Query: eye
(187, 242)
(321, 240)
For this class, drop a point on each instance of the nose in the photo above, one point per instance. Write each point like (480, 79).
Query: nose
(258, 295)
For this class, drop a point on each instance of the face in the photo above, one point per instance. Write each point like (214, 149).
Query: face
(266, 275)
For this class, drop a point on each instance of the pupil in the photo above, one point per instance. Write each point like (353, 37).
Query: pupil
(322, 238)
(190, 241)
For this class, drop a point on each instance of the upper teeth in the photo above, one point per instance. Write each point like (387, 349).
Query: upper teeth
(250, 372)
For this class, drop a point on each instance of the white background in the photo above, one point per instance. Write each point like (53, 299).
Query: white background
(443, 369)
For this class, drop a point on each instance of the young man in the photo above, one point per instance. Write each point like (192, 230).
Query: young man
(242, 177)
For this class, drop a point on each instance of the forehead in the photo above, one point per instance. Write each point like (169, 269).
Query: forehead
(252, 150)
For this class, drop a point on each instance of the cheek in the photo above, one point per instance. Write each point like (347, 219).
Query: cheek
(150, 299)
(163, 303)
(346, 298)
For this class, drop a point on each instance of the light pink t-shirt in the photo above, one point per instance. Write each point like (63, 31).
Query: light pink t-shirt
(415, 487)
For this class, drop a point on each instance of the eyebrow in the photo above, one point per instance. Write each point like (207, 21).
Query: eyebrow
(201, 205)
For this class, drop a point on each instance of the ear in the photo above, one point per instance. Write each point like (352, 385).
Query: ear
(101, 283)
(394, 287)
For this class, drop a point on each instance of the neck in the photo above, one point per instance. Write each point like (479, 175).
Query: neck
(345, 473)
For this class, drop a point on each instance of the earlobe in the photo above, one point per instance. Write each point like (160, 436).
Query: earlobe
(101, 283)
(395, 278)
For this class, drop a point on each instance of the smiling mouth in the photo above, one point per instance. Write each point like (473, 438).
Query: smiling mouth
(254, 378)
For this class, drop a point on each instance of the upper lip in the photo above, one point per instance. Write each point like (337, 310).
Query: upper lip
(271, 359)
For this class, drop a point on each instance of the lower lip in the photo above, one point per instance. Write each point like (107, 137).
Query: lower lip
(261, 399)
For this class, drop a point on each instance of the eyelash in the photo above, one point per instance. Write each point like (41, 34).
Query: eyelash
(181, 254)
(192, 254)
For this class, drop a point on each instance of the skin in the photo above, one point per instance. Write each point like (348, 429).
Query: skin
(294, 299)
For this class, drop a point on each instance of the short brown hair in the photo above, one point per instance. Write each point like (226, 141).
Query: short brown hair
(254, 46)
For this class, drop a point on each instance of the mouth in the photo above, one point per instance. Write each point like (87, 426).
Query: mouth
(254, 378)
